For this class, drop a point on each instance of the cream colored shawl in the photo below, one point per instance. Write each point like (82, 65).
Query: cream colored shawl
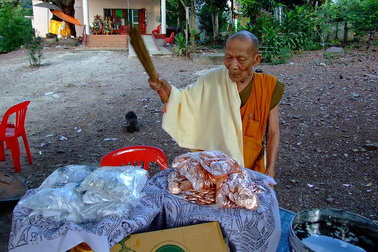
(206, 115)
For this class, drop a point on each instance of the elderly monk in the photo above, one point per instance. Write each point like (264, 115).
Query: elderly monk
(230, 109)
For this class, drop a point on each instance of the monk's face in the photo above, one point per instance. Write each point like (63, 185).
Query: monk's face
(239, 59)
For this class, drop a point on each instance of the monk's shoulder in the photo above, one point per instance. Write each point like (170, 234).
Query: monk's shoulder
(266, 77)
(214, 72)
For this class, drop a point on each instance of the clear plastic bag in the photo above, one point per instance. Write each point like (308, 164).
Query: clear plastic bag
(67, 174)
(205, 169)
(62, 203)
(216, 163)
(239, 190)
(112, 191)
(114, 184)
(212, 177)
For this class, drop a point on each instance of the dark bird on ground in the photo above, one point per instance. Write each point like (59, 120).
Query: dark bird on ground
(132, 122)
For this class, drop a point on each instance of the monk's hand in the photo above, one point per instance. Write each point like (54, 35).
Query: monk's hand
(162, 87)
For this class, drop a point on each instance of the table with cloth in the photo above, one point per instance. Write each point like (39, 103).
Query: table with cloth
(245, 230)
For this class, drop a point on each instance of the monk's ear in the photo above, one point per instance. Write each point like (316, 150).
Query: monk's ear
(258, 58)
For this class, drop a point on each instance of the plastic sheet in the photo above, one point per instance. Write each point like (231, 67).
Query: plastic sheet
(112, 191)
(56, 204)
(78, 194)
(67, 174)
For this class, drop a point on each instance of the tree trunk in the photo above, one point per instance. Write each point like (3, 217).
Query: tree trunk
(229, 28)
(216, 26)
(70, 11)
(193, 27)
(213, 23)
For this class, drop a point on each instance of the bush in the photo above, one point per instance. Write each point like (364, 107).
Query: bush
(181, 46)
(298, 27)
(34, 47)
(283, 56)
(15, 30)
(312, 46)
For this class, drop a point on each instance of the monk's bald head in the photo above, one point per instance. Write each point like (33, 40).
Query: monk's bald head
(248, 37)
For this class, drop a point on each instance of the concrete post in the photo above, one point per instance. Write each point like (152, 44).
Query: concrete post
(86, 17)
(163, 17)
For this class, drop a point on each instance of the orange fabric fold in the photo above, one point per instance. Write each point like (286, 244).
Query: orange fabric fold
(255, 114)
(65, 17)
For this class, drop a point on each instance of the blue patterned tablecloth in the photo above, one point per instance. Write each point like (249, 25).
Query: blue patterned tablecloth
(41, 235)
(245, 230)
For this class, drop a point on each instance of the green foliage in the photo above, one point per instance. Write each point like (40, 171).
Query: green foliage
(15, 30)
(298, 27)
(335, 42)
(329, 55)
(254, 8)
(278, 41)
(181, 47)
(34, 47)
(205, 18)
(362, 14)
(263, 21)
(282, 57)
(271, 42)
(312, 46)
(175, 14)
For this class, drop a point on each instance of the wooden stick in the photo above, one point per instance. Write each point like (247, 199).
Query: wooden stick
(137, 42)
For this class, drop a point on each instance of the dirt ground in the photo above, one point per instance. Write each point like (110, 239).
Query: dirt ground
(329, 120)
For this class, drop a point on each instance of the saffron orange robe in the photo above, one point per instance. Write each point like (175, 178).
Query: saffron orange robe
(255, 114)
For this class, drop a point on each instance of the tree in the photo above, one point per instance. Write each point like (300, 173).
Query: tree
(363, 14)
(216, 9)
(68, 7)
(176, 14)
(192, 23)
(15, 29)
(254, 8)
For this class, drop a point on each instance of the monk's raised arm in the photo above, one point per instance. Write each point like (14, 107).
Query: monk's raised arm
(162, 87)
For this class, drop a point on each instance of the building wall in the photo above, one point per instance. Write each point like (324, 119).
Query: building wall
(41, 19)
(42, 16)
(96, 7)
(79, 16)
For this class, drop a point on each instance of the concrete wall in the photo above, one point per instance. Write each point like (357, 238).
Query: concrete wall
(96, 7)
(41, 19)
(79, 16)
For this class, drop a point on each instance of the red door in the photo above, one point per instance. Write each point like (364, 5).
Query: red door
(142, 21)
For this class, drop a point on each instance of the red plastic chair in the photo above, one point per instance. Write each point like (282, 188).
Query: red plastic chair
(169, 40)
(124, 30)
(156, 30)
(135, 155)
(11, 131)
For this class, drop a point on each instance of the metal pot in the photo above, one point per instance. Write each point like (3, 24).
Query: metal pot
(328, 229)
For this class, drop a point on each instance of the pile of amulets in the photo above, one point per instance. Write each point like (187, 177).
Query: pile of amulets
(212, 177)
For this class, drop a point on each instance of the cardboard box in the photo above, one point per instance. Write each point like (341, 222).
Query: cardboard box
(196, 238)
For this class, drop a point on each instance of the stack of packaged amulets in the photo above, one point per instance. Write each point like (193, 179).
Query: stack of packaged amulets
(212, 177)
